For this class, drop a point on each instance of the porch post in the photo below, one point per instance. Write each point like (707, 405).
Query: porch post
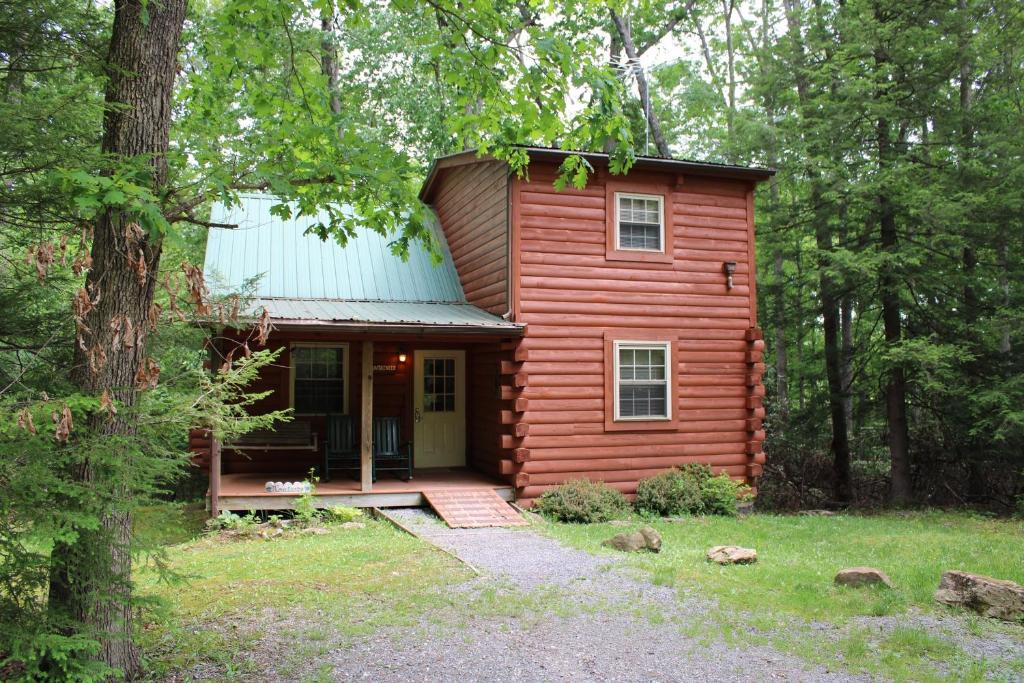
(366, 432)
(214, 476)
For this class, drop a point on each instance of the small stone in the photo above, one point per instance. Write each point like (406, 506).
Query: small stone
(732, 554)
(618, 522)
(988, 597)
(862, 576)
(653, 539)
(631, 542)
(352, 525)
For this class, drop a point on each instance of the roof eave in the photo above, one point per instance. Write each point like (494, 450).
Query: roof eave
(511, 329)
(748, 173)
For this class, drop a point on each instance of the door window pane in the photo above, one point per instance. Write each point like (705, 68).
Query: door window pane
(439, 385)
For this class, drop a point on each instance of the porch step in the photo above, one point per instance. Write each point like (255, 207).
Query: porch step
(470, 508)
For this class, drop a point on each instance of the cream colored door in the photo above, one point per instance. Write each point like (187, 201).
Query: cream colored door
(439, 409)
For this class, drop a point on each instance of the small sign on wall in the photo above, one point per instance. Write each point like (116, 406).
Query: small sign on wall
(385, 369)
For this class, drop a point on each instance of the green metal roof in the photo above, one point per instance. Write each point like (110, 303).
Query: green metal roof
(302, 279)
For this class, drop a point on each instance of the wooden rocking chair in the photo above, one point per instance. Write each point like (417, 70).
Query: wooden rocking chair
(389, 453)
(341, 450)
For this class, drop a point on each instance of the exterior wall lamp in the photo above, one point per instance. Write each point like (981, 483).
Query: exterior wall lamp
(729, 267)
(401, 354)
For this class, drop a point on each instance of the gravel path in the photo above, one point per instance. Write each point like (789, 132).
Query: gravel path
(606, 644)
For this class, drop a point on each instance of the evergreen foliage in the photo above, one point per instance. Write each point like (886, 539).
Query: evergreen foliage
(582, 502)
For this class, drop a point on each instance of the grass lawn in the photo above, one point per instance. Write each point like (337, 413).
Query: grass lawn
(289, 598)
(788, 595)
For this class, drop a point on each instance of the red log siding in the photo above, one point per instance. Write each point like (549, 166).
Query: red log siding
(472, 204)
(573, 297)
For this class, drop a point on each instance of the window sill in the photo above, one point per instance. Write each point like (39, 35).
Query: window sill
(653, 425)
(638, 255)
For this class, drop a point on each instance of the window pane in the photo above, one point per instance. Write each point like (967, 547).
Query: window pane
(639, 223)
(439, 384)
(319, 379)
(643, 382)
(639, 236)
(642, 400)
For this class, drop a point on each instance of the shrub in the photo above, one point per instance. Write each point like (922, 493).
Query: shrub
(690, 490)
(675, 492)
(722, 495)
(229, 521)
(582, 501)
(340, 514)
(306, 512)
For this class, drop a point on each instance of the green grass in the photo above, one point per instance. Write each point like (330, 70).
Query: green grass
(169, 524)
(293, 599)
(303, 590)
(791, 584)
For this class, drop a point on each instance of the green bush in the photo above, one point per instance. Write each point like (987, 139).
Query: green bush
(690, 490)
(340, 514)
(582, 501)
(675, 492)
(722, 495)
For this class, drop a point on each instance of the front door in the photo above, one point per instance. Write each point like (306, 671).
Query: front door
(439, 408)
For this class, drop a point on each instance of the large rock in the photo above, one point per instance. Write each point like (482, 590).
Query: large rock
(987, 596)
(862, 576)
(732, 554)
(652, 537)
(635, 541)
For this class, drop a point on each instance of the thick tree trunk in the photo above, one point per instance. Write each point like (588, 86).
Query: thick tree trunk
(842, 487)
(846, 356)
(900, 490)
(91, 577)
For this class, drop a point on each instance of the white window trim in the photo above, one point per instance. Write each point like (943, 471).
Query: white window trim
(318, 345)
(667, 347)
(661, 220)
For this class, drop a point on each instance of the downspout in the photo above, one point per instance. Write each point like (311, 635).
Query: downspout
(507, 315)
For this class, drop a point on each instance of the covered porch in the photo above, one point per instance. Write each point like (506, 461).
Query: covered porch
(440, 392)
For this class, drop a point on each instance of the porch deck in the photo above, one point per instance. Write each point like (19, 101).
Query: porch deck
(247, 491)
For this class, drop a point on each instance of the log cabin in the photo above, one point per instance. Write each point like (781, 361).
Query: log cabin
(606, 333)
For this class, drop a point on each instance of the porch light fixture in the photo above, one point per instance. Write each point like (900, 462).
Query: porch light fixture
(729, 267)
(401, 354)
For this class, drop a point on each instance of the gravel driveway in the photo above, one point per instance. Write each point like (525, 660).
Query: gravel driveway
(607, 643)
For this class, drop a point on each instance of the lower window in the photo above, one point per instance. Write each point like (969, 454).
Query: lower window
(319, 379)
(642, 380)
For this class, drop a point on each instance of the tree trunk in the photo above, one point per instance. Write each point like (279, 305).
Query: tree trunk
(641, 81)
(730, 114)
(842, 487)
(846, 356)
(91, 577)
(329, 57)
(896, 384)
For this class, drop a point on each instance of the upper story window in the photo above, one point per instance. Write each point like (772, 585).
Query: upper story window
(639, 222)
(318, 384)
(642, 380)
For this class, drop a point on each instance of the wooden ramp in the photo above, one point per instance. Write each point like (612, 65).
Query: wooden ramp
(470, 508)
